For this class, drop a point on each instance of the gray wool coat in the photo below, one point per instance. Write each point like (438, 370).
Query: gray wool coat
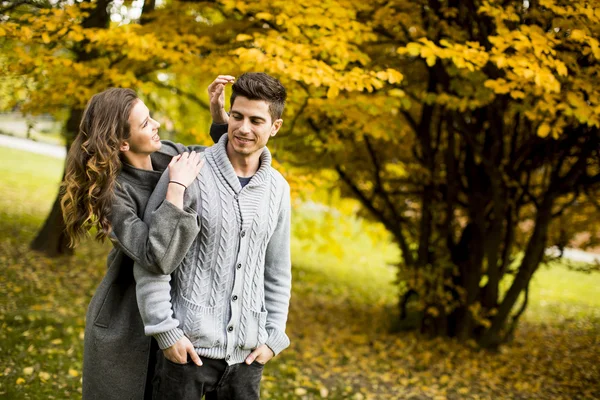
(116, 350)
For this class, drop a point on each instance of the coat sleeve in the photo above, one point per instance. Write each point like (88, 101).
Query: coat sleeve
(278, 278)
(218, 130)
(159, 246)
(153, 291)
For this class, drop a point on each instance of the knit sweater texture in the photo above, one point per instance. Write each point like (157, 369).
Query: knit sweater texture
(231, 292)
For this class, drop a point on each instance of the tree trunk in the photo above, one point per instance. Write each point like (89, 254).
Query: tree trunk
(51, 239)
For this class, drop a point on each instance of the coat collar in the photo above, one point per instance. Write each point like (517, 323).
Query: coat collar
(139, 177)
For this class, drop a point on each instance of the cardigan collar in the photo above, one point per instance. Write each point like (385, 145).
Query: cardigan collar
(217, 156)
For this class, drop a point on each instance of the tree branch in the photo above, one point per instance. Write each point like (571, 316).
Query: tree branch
(189, 96)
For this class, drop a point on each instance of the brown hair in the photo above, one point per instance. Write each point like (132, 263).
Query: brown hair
(93, 164)
(260, 86)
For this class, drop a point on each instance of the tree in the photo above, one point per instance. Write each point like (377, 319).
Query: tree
(480, 131)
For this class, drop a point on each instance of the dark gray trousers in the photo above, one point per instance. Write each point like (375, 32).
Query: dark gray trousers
(215, 379)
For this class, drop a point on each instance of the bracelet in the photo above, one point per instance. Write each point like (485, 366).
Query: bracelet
(178, 183)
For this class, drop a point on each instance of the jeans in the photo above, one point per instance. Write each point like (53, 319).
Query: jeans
(215, 379)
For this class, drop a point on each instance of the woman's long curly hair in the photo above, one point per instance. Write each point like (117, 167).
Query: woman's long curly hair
(93, 163)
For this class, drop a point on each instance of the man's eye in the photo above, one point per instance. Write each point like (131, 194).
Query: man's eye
(237, 117)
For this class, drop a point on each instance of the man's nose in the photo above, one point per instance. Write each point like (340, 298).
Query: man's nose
(245, 126)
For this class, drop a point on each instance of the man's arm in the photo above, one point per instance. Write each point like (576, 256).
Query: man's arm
(278, 278)
(216, 95)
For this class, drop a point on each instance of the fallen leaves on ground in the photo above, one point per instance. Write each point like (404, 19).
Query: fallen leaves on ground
(342, 347)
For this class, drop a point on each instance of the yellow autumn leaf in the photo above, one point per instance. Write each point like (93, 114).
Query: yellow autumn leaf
(44, 376)
(324, 392)
(20, 381)
(45, 38)
(333, 92)
(242, 37)
(397, 93)
(543, 130)
(300, 391)
(394, 76)
(264, 15)
(28, 370)
(74, 373)
(577, 34)
(383, 75)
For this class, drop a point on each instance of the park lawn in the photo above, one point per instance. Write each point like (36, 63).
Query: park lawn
(343, 305)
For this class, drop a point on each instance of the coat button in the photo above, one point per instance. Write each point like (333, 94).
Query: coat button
(230, 328)
(239, 266)
(228, 358)
(234, 298)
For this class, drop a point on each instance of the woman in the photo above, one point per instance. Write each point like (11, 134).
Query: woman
(112, 168)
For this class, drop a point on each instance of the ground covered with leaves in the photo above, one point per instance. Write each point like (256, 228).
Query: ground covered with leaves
(342, 311)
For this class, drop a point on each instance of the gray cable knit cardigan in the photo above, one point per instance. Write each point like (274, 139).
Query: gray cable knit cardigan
(231, 292)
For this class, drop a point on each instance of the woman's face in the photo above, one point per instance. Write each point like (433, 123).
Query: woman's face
(143, 139)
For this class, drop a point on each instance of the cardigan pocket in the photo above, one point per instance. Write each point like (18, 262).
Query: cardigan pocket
(256, 331)
(201, 324)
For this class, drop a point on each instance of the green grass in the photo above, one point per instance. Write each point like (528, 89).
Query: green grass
(342, 304)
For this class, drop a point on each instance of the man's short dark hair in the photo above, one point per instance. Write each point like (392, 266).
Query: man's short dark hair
(260, 86)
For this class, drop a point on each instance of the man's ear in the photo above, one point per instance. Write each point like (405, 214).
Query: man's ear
(124, 146)
(275, 127)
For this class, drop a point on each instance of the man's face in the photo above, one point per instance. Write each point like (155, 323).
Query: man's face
(250, 126)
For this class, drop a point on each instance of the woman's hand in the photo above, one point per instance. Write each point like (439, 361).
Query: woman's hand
(183, 169)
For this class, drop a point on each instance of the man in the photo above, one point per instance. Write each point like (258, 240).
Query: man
(225, 307)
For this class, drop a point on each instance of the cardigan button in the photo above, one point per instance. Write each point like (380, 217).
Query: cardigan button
(239, 266)
(236, 197)
(243, 234)
(234, 298)
(230, 328)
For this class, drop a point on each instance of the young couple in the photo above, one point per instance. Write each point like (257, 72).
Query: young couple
(205, 231)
